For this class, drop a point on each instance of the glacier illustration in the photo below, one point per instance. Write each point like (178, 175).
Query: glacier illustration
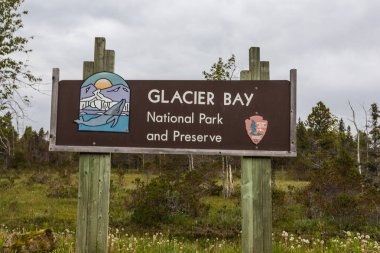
(104, 104)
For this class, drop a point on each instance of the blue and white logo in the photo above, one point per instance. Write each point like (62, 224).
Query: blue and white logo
(104, 104)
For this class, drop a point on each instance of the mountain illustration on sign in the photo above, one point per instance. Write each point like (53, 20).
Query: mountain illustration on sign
(104, 104)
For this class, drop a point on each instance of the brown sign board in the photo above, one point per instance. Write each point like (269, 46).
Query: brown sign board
(246, 118)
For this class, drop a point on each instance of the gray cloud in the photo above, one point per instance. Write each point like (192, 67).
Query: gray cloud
(333, 44)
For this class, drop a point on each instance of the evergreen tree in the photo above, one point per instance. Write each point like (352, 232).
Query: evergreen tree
(322, 131)
(373, 164)
(321, 120)
(8, 139)
(342, 127)
(33, 147)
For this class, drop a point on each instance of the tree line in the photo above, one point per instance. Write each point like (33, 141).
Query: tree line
(322, 137)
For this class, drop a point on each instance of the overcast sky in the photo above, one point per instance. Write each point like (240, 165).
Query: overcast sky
(334, 45)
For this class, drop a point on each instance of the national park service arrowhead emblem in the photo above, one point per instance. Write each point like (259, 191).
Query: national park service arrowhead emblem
(256, 128)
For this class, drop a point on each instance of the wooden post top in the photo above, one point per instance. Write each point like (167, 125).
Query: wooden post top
(104, 59)
(258, 70)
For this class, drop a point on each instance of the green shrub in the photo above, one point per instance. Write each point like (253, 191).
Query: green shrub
(151, 202)
(167, 196)
(39, 177)
(215, 189)
(5, 183)
(305, 226)
(279, 208)
(62, 186)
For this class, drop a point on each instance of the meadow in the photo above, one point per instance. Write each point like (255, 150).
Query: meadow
(31, 200)
(119, 241)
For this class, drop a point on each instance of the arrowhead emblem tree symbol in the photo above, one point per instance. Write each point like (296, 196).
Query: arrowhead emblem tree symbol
(256, 128)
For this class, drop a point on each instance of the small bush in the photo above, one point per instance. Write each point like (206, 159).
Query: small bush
(8, 179)
(39, 178)
(5, 184)
(280, 210)
(166, 196)
(151, 202)
(62, 187)
(215, 189)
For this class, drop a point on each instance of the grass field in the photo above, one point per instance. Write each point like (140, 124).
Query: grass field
(25, 200)
(24, 204)
(284, 185)
(47, 199)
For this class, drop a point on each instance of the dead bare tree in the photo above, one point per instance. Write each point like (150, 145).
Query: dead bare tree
(228, 187)
(191, 162)
(358, 138)
(230, 181)
(366, 132)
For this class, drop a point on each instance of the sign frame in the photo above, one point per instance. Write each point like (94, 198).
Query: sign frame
(292, 152)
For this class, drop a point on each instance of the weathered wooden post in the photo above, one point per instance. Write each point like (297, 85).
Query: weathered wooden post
(94, 175)
(256, 180)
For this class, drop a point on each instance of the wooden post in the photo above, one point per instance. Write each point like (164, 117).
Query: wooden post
(94, 175)
(256, 191)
